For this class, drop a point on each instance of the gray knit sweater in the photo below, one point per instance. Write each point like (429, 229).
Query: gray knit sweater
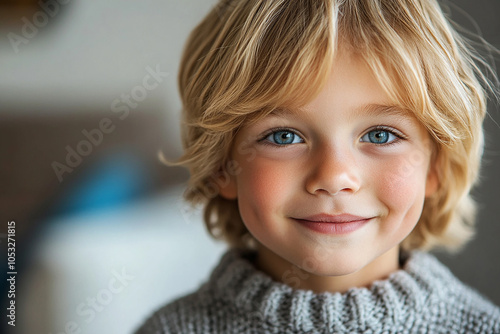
(423, 297)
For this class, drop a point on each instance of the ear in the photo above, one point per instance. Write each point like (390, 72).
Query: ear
(432, 182)
(226, 182)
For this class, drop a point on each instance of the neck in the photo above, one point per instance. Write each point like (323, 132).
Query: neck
(380, 268)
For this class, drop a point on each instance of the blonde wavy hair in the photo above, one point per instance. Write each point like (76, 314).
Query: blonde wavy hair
(247, 58)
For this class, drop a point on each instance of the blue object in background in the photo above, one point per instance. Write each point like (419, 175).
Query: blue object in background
(115, 180)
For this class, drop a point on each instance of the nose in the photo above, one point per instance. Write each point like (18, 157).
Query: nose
(333, 171)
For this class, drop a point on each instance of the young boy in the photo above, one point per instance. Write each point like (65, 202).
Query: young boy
(331, 142)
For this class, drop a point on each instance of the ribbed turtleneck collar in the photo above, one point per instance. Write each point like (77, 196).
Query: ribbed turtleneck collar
(407, 295)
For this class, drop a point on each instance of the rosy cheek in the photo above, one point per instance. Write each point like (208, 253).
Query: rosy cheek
(262, 186)
(400, 187)
(262, 183)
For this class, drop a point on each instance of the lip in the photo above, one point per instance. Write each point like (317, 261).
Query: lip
(333, 224)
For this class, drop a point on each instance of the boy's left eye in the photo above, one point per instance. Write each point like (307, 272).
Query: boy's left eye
(379, 136)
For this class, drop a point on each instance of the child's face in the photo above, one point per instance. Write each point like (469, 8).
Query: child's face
(344, 153)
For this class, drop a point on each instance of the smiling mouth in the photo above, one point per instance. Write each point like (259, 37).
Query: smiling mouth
(334, 219)
(333, 224)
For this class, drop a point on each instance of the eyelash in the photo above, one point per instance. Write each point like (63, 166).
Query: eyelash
(399, 136)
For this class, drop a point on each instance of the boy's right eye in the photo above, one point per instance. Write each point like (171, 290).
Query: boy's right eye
(283, 137)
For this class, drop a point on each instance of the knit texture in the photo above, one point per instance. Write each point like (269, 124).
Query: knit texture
(423, 297)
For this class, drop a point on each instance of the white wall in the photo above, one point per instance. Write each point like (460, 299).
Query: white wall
(92, 50)
(106, 272)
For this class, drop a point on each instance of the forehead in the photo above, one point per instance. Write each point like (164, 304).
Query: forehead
(352, 85)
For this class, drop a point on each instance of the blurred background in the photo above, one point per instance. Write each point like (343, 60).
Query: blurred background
(88, 97)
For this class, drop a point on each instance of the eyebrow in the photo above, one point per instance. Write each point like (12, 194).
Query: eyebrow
(370, 110)
(379, 109)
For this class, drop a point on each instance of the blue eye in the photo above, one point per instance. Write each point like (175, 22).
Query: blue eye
(284, 137)
(379, 136)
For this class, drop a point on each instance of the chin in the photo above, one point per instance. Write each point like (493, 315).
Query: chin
(333, 266)
(339, 270)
